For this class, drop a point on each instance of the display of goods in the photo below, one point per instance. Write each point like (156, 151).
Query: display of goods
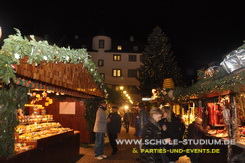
(34, 136)
(35, 118)
(212, 132)
(36, 127)
(22, 147)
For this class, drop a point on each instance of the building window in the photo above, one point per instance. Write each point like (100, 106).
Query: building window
(116, 72)
(116, 57)
(119, 47)
(102, 75)
(101, 44)
(136, 48)
(100, 62)
(132, 58)
(132, 73)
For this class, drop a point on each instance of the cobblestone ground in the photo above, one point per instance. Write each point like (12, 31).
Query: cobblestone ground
(124, 155)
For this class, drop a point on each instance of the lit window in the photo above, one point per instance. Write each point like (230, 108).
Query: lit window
(119, 47)
(100, 62)
(116, 57)
(116, 72)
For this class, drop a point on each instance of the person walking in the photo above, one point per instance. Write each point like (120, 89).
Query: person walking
(141, 119)
(114, 128)
(173, 129)
(100, 128)
(126, 121)
(153, 131)
(196, 132)
(140, 122)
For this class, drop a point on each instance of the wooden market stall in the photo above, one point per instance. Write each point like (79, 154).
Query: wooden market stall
(51, 90)
(220, 102)
(218, 97)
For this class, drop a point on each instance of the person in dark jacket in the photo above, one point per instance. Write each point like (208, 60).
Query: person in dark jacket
(173, 128)
(141, 119)
(126, 120)
(140, 122)
(196, 132)
(114, 128)
(153, 131)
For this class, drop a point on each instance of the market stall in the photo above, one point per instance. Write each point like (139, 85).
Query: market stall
(219, 95)
(218, 98)
(45, 91)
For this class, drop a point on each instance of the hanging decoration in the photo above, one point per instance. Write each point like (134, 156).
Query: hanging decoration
(170, 94)
(211, 70)
(168, 83)
(234, 61)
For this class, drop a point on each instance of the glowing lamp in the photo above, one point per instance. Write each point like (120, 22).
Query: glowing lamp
(126, 107)
(121, 87)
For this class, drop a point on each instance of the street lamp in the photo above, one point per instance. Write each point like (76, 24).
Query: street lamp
(126, 107)
(121, 88)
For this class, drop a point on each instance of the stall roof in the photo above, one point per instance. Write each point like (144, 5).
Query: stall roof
(44, 64)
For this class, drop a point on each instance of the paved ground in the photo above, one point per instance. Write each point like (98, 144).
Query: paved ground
(124, 155)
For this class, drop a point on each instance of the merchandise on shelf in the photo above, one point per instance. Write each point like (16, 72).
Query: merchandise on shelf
(35, 118)
(22, 147)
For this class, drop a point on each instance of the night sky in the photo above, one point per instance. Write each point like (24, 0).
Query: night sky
(200, 31)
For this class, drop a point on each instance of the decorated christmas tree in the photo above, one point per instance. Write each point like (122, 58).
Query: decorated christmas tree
(158, 63)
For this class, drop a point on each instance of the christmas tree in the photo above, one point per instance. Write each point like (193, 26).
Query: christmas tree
(158, 63)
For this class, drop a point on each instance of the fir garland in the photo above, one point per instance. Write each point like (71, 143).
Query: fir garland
(11, 98)
(16, 47)
(210, 85)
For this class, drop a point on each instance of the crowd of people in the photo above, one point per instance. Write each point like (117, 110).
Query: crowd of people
(157, 124)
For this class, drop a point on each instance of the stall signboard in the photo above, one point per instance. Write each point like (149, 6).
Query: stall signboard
(67, 108)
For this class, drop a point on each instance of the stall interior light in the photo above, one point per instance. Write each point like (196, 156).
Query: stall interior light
(146, 99)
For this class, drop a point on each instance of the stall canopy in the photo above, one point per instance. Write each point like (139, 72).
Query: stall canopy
(36, 64)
